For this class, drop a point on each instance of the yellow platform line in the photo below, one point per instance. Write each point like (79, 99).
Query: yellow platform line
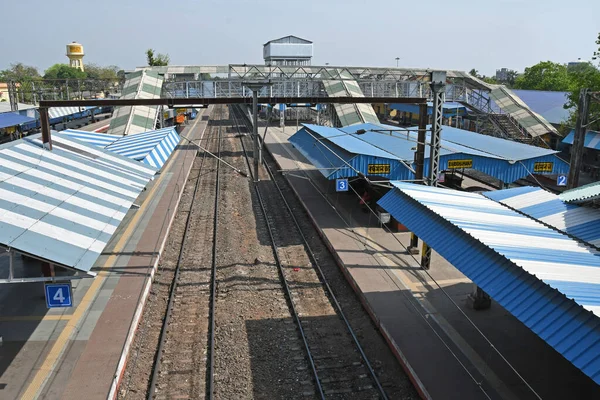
(52, 317)
(47, 366)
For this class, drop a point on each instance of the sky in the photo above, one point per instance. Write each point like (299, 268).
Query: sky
(460, 34)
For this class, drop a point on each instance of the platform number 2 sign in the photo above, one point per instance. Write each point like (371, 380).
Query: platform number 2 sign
(561, 180)
(58, 295)
(341, 185)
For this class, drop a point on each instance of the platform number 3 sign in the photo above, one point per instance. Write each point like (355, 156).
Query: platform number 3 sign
(58, 295)
(561, 180)
(341, 185)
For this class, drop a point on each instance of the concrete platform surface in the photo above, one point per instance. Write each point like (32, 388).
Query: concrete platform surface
(79, 352)
(445, 345)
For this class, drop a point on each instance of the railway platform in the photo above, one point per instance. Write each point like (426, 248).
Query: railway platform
(80, 352)
(444, 346)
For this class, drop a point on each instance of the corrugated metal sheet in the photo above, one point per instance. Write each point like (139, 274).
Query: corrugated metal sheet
(97, 139)
(328, 159)
(591, 141)
(547, 280)
(582, 194)
(152, 148)
(59, 112)
(398, 144)
(12, 119)
(64, 205)
(549, 105)
(580, 222)
(130, 120)
(349, 114)
(511, 104)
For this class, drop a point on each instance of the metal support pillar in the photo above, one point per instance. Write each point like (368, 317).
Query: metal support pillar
(257, 150)
(45, 125)
(438, 90)
(579, 138)
(419, 165)
(11, 267)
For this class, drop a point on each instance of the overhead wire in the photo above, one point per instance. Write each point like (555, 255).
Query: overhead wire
(429, 275)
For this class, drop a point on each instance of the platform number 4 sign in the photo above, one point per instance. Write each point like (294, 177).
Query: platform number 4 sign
(58, 295)
(341, 185)
(561, 180)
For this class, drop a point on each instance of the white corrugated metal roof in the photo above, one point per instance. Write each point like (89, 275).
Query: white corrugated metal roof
(580, 222)
(64, 205)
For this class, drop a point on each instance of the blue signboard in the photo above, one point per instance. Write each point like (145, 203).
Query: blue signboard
(341, 185)
(561, 180)
(58, 295)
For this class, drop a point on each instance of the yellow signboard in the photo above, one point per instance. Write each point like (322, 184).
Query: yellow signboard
(378, 169)
(454, 164)
(75, 49)
(181, 110)
(543, 167)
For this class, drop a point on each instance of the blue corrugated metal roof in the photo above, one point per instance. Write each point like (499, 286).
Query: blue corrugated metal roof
(397, 144)
(13, 119)
(547, 280)
(591, 141)
(549, 105)
(449, 109)
(152, 147)
(327, 158)
(97, 139)
(580, 222)
(64, 205)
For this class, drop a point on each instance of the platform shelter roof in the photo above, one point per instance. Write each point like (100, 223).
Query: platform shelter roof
(547, 280)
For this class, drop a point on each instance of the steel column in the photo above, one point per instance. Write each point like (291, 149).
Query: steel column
(436, 133)
(257, 150)
(438, 90)
(45, 125)
(419, 163)
(579, 138)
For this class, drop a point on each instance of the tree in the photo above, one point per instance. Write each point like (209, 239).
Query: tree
(474, 73)
(545, 75)
(19, 72)
(156, 60)
(511, 77)
(63, 72)
(584, 75)
(94, 71)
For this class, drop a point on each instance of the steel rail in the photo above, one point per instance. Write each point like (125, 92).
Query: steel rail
(328, 289)
(174, 282)
(323, 279)
(287, 290)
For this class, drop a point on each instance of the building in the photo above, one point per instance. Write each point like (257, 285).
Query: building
(75, 54)
(288, 50)
(502, 74)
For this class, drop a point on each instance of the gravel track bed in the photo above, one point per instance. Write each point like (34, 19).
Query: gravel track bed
(183, 361)
(258, 352)
(317, 312)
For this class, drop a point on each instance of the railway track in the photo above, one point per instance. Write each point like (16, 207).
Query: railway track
(184, 362)
(339, 366)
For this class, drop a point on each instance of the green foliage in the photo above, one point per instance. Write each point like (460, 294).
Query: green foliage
(64, 72)
(19, 72)
(94, 71)
(490, 79)
(584, 76)
(474, 73)
(156, 59)
(545, 75)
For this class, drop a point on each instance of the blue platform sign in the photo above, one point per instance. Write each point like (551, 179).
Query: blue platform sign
(561, 180)
(58, 295)
(341, 185)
